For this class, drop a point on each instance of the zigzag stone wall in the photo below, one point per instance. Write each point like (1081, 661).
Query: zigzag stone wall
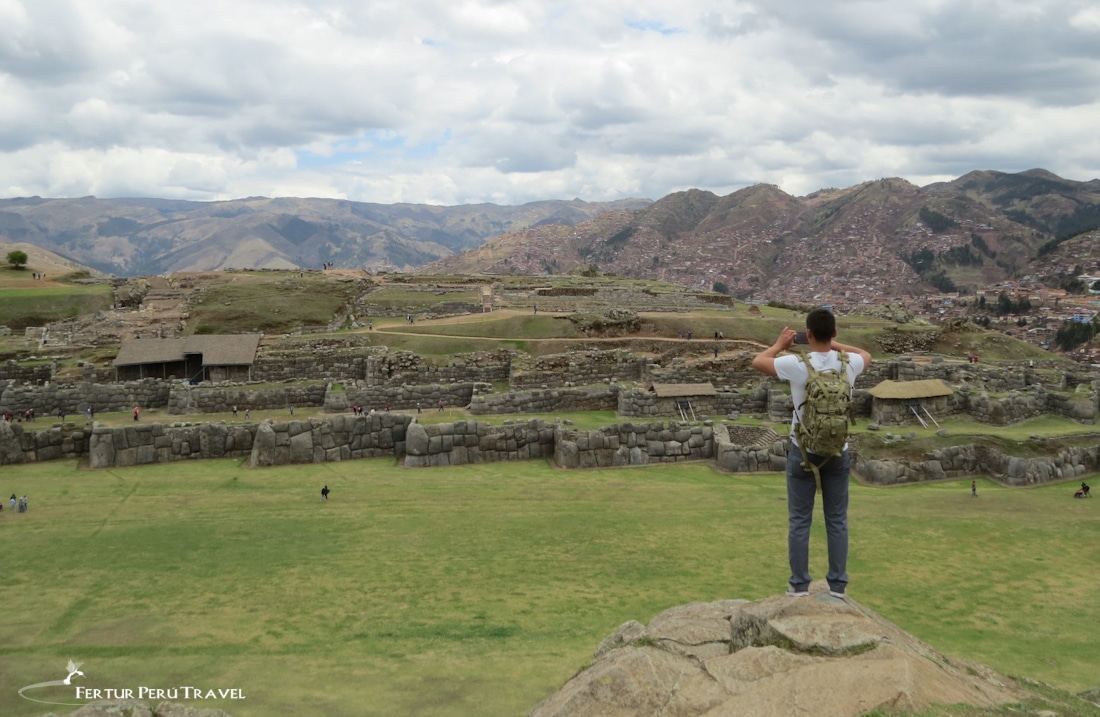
(18, 445)
(339, 438)
(629, 444)
(739, 449)
(143, 444)
(970, 460)
(464, 442)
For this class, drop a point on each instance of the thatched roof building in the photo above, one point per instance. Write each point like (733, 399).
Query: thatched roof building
(683, 390)
(910, 390)
(196, 358)
(901, 402)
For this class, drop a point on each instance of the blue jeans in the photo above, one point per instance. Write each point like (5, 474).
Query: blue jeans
(801, 489)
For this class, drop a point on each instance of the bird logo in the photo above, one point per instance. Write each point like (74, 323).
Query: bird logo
(74, 669)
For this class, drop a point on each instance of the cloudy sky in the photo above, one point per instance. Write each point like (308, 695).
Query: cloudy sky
(460, 101)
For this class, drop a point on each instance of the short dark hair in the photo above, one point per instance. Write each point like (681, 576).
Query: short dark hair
(822, 324)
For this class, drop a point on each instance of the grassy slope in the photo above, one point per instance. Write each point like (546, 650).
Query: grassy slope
(25, 301)
(480, 589)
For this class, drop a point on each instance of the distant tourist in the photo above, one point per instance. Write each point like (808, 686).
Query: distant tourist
(324, 493)
(418, 406)
(12, 501)
(137, 412)
(292, 410)
(440, 404)
(973, 489)
(234, 411)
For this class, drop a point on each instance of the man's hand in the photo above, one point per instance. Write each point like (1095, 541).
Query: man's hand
(764, 361)
(785, 340)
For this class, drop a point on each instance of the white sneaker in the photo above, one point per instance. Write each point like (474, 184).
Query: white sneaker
(791, 592)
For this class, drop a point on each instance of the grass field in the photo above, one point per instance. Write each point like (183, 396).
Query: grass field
(478, 590)
(40, 305)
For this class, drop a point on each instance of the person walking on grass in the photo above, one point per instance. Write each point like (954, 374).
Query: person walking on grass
(324, 494)
(973, 489)
(826, 353)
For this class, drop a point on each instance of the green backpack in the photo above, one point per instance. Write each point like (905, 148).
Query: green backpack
(826, 413)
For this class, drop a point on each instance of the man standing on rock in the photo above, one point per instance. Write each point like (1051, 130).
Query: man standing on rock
(801, 484)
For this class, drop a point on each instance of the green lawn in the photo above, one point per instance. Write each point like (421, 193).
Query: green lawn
(478, 590)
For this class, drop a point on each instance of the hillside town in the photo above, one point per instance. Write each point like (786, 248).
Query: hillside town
(856, 272)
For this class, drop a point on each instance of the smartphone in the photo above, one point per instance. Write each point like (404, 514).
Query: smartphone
(800, 338)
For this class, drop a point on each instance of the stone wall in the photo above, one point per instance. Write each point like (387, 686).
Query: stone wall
(1080, 406)
(400, 368)
(640, 403)
(734, 448)
(185, 398)
(143, 444)
(18, 445)
(581, 368)
(318, 367)
(745, 449)
(723, 371)
(596, 398)
(464, 442)
(37, 373)
(630, 444)
(338, 438)
(977, 459)
(74, 399)
(403, 398)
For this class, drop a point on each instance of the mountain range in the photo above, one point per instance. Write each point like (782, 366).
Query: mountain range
(131, 237)
(885, 236)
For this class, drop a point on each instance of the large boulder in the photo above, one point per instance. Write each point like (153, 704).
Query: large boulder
(771, 658)
(264, 445)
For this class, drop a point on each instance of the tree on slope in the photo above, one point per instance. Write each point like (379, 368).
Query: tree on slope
(17, 258)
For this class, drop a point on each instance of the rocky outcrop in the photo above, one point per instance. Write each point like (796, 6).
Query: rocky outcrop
(771, 658)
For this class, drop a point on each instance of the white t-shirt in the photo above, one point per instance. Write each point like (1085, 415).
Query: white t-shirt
(791, 369)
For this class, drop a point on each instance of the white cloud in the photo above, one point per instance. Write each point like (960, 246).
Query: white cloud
(511, 101)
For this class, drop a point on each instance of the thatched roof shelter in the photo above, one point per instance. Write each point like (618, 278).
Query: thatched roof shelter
(911, 390)
(192, 356)
(683, 390)
(227, 350)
